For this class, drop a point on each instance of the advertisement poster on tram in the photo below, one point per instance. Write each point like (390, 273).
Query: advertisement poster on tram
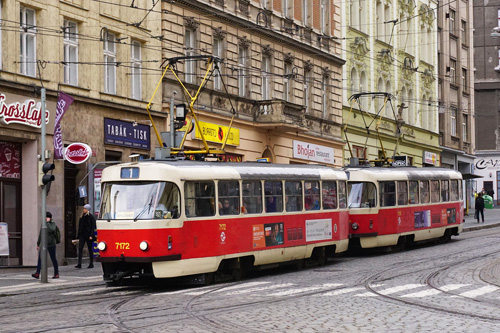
(423, 219)
(269, 234)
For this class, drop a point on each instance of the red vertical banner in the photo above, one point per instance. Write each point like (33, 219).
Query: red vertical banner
(63, 103)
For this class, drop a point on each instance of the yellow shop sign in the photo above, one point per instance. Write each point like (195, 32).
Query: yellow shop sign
(217, 133)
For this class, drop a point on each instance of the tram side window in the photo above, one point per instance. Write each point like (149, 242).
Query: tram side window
(329, 194)
(169, 202)
(229, 197)
(454, 192)
(435, 191)
(342, 194)
(362, 195)
(311, 195)
(293, 196)
(200, 198)
(252, 197)
(402, 193)
(413, 190)
(274, 196)
(424, 191)
(445, 190)
(387, 194)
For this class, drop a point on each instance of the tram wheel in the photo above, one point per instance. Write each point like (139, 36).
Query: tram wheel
(208, 278)
(300, 264)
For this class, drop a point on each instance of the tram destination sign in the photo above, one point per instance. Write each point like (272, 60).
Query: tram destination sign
(126, 134)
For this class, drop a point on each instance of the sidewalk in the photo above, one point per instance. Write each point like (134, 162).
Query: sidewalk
(491, 220)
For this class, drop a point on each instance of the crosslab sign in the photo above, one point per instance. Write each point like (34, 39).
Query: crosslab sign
(27, 113)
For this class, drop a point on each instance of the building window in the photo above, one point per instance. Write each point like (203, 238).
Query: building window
(463, 28)
(452, 21)
(287, 82)
(359, 152)
(324, 95)
(324, 17)
(110, 64)
(70, 53)
(266, 72)
(305, 12)
(28, 42)
(308, 82)
(135, 60)
(189, 74)
(464, 79)
(242, 80)
(465, 130)
(453, 122)
(287, 8)
(217, 52)
(453, 73)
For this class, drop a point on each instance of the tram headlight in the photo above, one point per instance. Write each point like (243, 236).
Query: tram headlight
(102, 246)
(354, 226)
(144, 245)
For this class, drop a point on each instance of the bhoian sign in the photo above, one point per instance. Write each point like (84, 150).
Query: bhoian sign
(26, 113)
(312, 152)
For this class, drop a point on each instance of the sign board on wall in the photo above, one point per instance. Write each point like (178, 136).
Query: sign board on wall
(312, 152)
(217, 133)
(126, 134)
(4, 239)
(430, 158)
(19, 109)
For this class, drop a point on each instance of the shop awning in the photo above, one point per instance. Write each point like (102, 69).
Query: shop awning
(470, 176)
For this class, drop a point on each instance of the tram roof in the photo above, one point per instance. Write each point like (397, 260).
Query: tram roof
(410, 173)
(191, 170)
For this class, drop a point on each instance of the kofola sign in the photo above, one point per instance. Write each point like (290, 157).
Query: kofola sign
(126, 134)
(26, 113)
(77, 153)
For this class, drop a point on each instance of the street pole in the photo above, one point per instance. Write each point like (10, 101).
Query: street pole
(172, 130)
(43, 238)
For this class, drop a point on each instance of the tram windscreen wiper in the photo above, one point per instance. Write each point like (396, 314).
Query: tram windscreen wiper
(147, 207)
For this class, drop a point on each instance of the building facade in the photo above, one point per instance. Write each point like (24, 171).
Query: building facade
(487, 89)
(390, 82)
(280, 74)
(102, 54)
(456, 89)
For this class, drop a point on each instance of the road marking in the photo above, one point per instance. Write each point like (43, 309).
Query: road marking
(251, 290)
(295, 291)
(423, 293)
(400, 288)
(479, 291)
(450, 287)
(342, 291)
(52, 283)
(85, 292)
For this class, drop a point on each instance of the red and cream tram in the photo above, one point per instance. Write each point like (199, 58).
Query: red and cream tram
(175, 218)
(401, 205)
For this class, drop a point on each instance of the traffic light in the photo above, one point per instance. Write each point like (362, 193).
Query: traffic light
(46, 178)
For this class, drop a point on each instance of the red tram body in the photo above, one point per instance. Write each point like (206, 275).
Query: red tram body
(168, 219)
(402, 205)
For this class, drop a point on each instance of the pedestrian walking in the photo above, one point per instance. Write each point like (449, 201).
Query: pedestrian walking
(53, 238)
(85, 235)
(480, 207)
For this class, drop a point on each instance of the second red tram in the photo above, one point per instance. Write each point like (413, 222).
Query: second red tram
(401, 205)
(175, 218)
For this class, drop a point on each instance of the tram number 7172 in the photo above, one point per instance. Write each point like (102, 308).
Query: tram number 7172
(122, 246)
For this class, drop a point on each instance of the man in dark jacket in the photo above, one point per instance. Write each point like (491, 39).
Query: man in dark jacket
(52, 240)
(85, 235)
(480, 206)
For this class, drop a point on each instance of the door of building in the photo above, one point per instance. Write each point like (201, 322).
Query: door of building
(10, 212)
(70, 198)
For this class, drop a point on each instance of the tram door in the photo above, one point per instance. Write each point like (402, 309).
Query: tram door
(10, 212)
(70, 172)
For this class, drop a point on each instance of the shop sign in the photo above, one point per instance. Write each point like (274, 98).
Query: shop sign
(25, 113)
(77, 153)
(487, 163)
(430, 158)
(312, 152)
(217, 133)
(10, 160)
(127, 134)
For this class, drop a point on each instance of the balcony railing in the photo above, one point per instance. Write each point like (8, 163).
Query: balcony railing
(288, 116)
